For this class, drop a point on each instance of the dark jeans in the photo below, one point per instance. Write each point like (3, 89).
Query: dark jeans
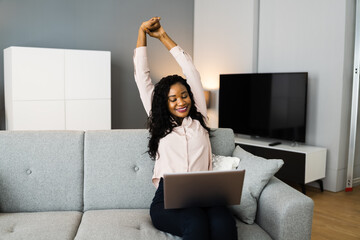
(193, 223)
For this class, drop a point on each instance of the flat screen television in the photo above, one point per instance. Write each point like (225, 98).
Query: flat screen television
(269, 105)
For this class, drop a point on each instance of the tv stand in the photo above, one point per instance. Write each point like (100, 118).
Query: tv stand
(302, 163)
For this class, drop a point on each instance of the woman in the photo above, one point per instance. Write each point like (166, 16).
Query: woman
(179, 138)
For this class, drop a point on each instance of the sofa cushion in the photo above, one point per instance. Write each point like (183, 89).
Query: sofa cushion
(41, 171)
(117, 170)
(224, 163)
(258, 173)
(119, 224)
(136, 224)
(39, 226)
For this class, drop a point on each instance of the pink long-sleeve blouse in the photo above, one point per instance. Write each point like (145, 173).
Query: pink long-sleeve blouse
(187, 148)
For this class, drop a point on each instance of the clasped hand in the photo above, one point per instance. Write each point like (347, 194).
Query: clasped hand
(153, 27)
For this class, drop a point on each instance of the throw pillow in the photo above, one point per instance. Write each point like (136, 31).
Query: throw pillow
(223, 163)
(258, 172)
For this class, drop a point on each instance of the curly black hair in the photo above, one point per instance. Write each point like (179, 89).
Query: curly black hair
(160, 121)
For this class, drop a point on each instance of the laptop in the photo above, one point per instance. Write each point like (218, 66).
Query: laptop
(203, 189)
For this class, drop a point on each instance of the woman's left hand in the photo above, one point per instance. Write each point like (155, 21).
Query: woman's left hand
(151, 25)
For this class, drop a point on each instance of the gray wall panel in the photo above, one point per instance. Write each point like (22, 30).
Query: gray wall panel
(110, 25)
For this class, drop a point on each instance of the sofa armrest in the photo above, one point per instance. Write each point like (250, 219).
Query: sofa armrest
(284, 212)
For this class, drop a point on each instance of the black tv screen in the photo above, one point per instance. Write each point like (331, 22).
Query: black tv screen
(270, 105)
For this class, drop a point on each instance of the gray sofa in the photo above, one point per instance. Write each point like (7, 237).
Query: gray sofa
(97, 185)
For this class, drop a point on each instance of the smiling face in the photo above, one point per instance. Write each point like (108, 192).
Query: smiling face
(179, 102)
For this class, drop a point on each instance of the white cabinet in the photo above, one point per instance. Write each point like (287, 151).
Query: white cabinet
(56, 89)
(302, 163)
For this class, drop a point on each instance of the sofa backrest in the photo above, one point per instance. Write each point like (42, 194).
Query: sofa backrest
(222, 141)
(118, 171)
(41, 171)
(73, 170)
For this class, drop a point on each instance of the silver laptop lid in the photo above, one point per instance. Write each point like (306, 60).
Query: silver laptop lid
(203, 189)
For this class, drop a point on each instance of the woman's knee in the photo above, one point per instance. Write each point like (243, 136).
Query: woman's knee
(222, 223)
(196, 225)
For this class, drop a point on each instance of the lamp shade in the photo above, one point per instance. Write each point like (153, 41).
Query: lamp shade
(207, 98)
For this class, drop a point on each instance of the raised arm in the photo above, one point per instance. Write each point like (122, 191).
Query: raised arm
(141, 66)
(163, 37)
(192, 77)
(147, 27)
(187, 66)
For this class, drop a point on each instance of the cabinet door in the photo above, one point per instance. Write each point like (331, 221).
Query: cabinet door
(88, 114)
(36, 73)
(38, 115)
(87, 74)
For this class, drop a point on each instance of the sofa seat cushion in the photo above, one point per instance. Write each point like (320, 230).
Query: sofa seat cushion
(136, 224)
(119, 224)
(39, 225)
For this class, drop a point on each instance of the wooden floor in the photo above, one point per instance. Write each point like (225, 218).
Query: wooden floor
(336, 215)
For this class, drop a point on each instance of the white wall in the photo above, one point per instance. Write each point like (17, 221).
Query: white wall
(311, 36)
(225, 36)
